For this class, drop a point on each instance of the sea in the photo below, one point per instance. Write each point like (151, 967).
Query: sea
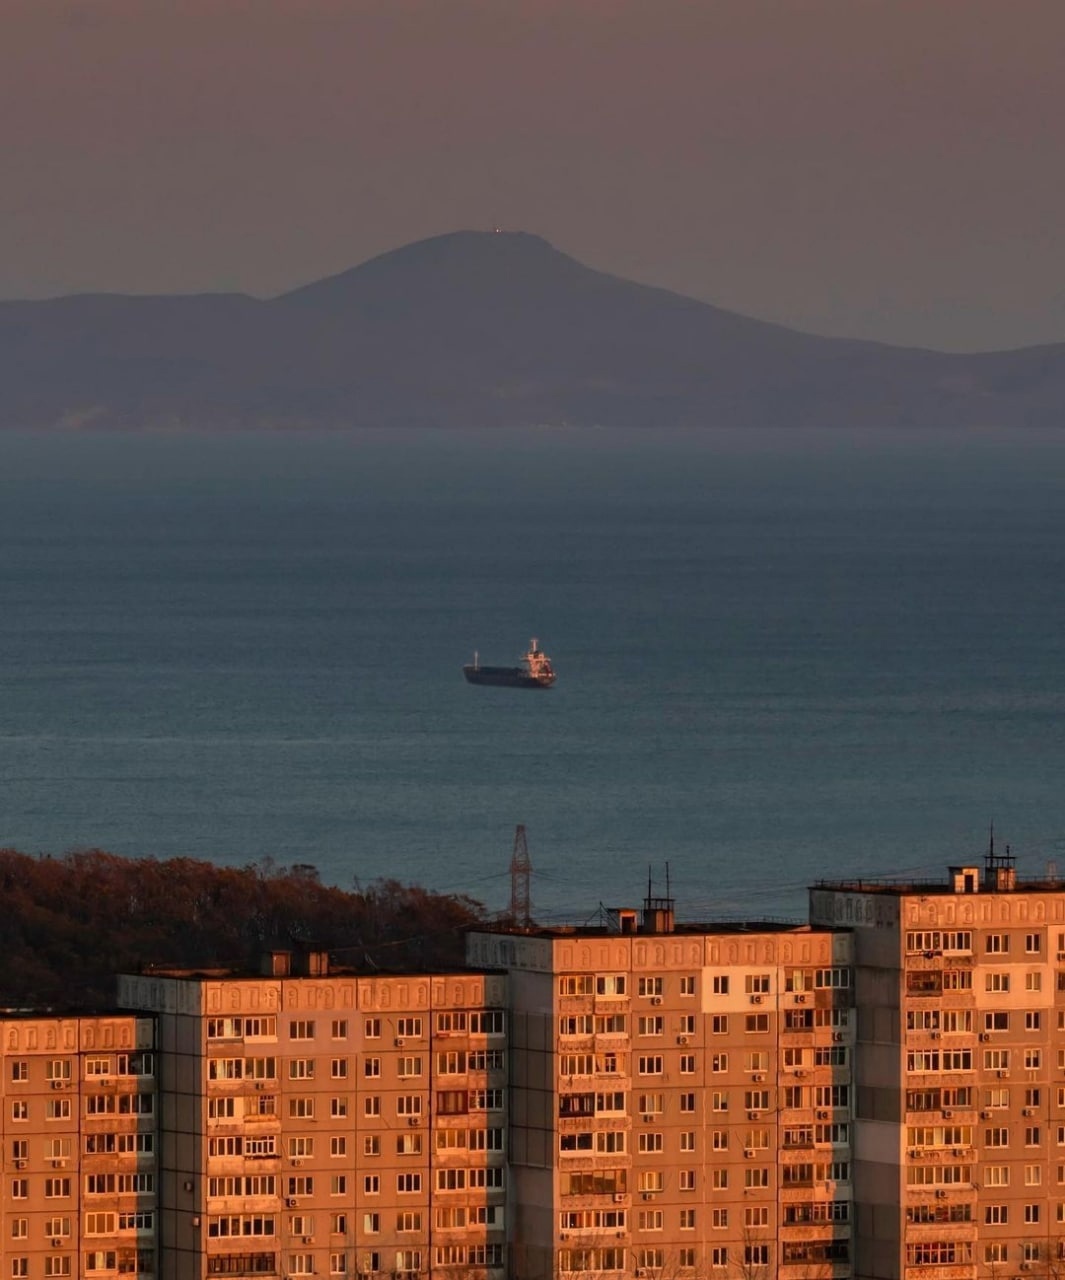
(782, 656)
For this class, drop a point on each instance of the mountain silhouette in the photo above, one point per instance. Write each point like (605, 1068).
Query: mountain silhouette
(482, 329)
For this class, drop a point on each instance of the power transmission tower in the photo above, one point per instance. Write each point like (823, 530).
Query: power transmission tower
(520, 876)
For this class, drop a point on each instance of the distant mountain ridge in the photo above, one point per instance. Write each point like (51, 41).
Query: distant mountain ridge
(482, 329)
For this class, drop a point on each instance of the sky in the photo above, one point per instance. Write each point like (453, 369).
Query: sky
(892, 169)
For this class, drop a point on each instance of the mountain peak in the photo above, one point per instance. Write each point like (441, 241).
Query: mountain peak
(456, 258)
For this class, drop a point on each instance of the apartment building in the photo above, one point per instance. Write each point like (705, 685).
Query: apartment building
(959, 1122)
(680, 1097)
(78, 1126)
(329, 1123)
(877, 1094)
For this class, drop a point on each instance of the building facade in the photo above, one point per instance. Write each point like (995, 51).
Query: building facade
(680, 1098)
(329, 1123)
(959, 1122)
(79, 1144)
(878, 1094)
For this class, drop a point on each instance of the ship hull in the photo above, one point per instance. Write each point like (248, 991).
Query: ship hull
(507, 677)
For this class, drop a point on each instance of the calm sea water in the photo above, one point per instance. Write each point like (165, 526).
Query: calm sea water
(780, 657)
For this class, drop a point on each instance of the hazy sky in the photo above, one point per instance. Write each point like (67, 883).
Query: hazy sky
(885, 168)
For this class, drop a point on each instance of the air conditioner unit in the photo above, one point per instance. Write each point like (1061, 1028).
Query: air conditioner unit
(959, 1151)
(296, 1162)
(937, 1035)
(947, 1115)
(619, 1198)
(647, 1119)
(1028, 1111)
(985, 1115)
(399, 1042)
(682, 1039)
(756, 999)
(412, 1121)
(291, 1202)
(800, 1074)
(752, 1115)
(656, 999)
(941, 1195)
(307, 1239)
(758, 1078)
(260, 1084)
(645, 1195)
(1025, 1266)
(822, 1115)
(748, 1153)
(984, 1035)
(1003, 1074)
(57, 1084)
(56, 1243)
(800, 999)
(837, 1036)
(20, 1164)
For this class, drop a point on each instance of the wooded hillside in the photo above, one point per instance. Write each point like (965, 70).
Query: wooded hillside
(71, 923)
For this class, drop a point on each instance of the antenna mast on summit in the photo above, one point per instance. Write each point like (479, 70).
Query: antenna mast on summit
(520, 878)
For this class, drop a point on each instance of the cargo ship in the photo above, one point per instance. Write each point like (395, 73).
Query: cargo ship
(535, 671)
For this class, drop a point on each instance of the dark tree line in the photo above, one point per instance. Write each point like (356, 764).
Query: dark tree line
(69, 924)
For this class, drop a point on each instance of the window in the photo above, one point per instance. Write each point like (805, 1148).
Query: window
(719, 1179)
(652, 1026)
(371, 1105)
(719, 984)
(719, 1219)
(756, 984)
(338, 1068)
(58, 1069)
(409, 1027)
(719, 1024)
(686, 1182)
(757, 1023)
(719, 1256)
(719, 1063)
(998, 1021)
(650, 987)
(1032, 1020)
(371, 1185)
(21, 1110)
(687, 1140)
(338, 1146)
(301, 1069)
(997, 944)
(687, 985)
(687, 1064)
(371, 1028)
(650, 1065)
(648, 1143)
(301, 1030)
(998, 982)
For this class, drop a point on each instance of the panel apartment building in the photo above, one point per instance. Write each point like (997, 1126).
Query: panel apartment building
(328, 1123)
(77, 1119)
(878, 1094)
(680, 1098)
(958, 1161)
